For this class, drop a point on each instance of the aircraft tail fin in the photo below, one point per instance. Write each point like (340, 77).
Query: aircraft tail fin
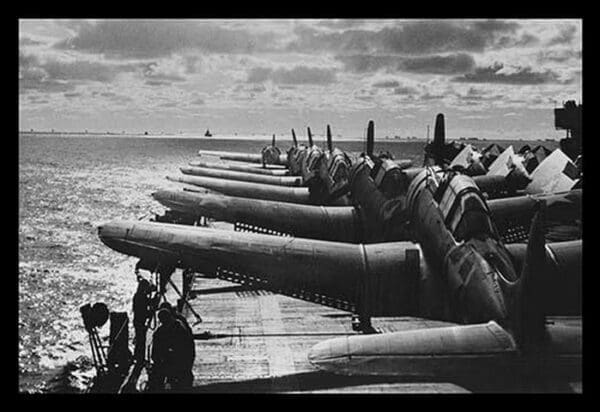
(529, 316)
(439, 132)
(329, 139)
(370, 138)
(294, 138)
(310, 139)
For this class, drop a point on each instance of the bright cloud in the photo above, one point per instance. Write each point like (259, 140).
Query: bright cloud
(267, 76)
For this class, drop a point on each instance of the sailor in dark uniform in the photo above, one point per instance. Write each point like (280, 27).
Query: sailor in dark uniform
(141, 313)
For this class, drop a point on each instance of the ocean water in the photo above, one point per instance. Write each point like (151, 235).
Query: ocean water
(67, 186)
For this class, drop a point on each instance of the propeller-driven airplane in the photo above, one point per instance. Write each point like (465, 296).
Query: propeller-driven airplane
(270, 155)
(514, 339)
(310, 163)
(429, 242)
(458, 270)
(377, 189)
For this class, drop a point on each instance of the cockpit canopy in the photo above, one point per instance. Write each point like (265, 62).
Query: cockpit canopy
(463, 208)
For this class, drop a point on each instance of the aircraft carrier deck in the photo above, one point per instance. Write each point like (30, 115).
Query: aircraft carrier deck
(254, 341)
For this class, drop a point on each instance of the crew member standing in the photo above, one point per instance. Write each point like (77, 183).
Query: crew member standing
(177, 315)
(171, 354)
(162, 349)
(141, 312)
(181, 376)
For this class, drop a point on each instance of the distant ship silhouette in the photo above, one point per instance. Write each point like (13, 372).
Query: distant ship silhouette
(207, 134)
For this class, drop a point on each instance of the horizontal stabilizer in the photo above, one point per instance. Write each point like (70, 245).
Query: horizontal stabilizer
(462, 158)
(500, 166)
(556, 173)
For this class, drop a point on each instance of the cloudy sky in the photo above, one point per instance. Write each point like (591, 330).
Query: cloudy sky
(492, 78)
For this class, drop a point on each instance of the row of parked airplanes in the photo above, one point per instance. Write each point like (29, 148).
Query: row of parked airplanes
(473, 239)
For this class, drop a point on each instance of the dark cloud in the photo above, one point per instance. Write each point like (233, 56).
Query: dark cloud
(259, 74)
(495, 26)
(440, 36)
(36, 99)
(304, 75)
(405, 90)
(113, 97)
(32, 77)
(341, 23)
(450, 64)
(26, 41)
(408, 38)
(429, 96)
(161, 38)
(475, 95)
(522, 76)
(558, 56)
(44, 86)
(432, 37)
(296, 75)
(524, 40)
(363, 63)
(119, 98)
(311, 40)
(386, 84)
(157, 83)
(40, 101)
(27, 61)
(61, 76)
(81, 70)
(565, 36)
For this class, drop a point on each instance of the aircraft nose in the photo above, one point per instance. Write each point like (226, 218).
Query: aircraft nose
(329, 350)
(159, 195)
(112, 232)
